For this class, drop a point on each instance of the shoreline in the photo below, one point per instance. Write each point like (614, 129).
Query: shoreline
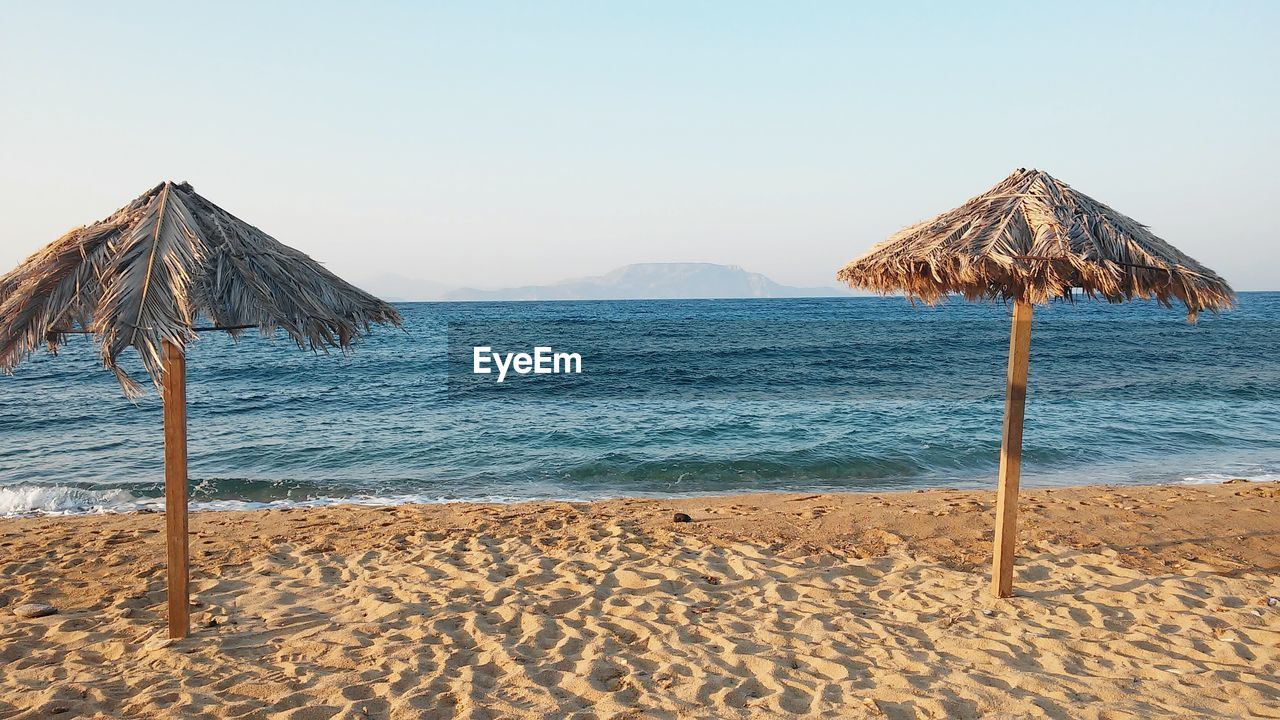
(1131, 601)
(925, 519)
(63, 498)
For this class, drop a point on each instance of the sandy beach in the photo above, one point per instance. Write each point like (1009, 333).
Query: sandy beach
(1132, 602)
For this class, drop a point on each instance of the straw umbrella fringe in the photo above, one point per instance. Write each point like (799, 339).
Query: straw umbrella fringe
(1029, 239)
(1034, 238)
(145, 274)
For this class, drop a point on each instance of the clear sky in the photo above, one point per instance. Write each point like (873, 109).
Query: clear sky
(491, 144)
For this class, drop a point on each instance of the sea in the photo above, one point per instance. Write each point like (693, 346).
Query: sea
(669, 398)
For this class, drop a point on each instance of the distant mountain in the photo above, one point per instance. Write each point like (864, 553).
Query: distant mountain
(654, 281)
(398, 288)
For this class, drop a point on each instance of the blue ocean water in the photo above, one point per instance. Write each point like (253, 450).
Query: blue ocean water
(675, 397)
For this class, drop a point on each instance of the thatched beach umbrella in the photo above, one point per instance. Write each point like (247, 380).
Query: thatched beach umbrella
(1030, 239)
(144, 278)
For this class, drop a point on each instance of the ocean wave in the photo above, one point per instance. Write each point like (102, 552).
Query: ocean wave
(30, 500)
(16, 501)
(1219, 478)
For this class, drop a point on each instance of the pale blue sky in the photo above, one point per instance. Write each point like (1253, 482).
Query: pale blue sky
(509, 143)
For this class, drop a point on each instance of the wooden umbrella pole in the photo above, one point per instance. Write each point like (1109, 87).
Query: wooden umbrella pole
(1015, 399)
(175, 487)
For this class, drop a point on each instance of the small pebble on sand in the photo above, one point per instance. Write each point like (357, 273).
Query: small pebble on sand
(34, 610)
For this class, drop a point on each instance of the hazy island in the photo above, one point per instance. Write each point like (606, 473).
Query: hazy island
(640, 281)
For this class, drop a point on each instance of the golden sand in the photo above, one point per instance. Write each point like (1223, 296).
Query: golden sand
(1132, 602)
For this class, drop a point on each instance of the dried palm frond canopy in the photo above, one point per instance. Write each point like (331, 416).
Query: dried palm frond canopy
(144, 278)
(164, 262)
(1034, 238)
(1027, 240)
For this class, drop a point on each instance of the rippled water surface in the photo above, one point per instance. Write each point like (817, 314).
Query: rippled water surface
(675, 397)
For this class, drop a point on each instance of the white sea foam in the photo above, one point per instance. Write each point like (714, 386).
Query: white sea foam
(24, 500)
(1219, 478)
(61, 500)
